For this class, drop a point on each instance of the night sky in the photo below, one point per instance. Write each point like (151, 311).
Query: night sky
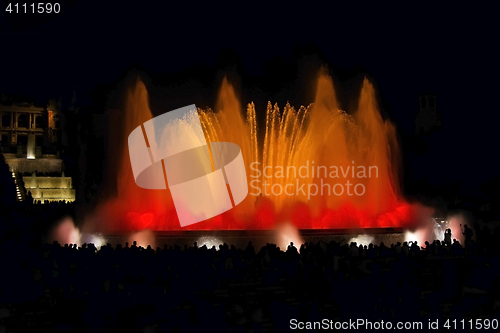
(408, 49)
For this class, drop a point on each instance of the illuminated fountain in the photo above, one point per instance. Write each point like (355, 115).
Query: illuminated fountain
(315, 148)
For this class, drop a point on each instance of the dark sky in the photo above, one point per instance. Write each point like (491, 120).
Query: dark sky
(450, 51)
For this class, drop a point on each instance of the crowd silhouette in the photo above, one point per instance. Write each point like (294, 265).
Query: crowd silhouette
(173, 288)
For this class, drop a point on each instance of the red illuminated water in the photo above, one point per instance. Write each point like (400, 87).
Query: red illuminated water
(319, 136)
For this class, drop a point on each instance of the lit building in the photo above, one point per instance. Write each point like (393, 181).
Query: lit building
(30, 138)
(23, 121)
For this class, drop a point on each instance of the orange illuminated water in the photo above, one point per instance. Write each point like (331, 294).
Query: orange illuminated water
(319, 138)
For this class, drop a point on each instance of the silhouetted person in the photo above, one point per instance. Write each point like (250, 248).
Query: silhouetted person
(447, 237)
(250, 250)
(468, 233)
(292, 250)
(29, 197)
(353, 249)
(405, 249)
(415, 248)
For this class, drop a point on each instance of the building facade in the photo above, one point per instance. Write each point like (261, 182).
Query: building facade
(30, 141)
(24, 125)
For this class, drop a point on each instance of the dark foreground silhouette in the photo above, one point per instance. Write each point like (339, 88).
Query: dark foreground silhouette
(52, 287)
